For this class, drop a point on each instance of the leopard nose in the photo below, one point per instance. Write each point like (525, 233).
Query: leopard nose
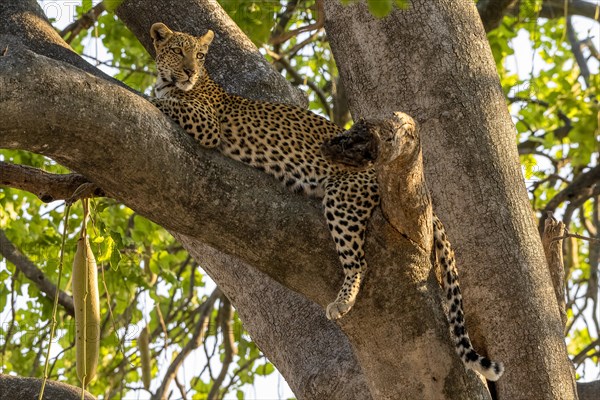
(189, 71)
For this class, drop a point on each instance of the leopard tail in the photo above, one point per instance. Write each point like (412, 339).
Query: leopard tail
(489, 369)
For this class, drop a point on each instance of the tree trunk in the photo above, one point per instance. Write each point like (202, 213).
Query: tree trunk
(433, 61)
(260, 224)
(243, 228)
(310, 351)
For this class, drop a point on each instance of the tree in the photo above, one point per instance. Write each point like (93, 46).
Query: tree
(449, 86)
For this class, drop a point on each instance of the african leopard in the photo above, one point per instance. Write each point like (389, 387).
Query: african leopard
(285, 141)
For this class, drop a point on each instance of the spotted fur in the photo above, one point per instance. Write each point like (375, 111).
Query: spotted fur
(445, 257)
(285, 142)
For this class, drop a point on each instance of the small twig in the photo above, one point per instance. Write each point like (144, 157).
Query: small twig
(181, 389)
(47, 186)
(56, 297)
(86, 21)
(193, 343)
(11, 326)
(584, 69)
(298, 80)
(574, 235)
(111, 65)
(318, 24)
(299, 46)
(224, 321)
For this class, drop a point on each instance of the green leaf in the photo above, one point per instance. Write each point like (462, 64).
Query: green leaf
(380, 8)
(111, 5)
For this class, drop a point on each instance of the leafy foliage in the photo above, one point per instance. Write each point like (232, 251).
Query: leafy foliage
(381, 8)
(556, 118)
(147, 277)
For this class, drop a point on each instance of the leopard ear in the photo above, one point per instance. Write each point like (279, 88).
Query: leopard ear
(207, 39)
(160, 33)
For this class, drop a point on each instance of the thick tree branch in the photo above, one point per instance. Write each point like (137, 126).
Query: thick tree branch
(441, 71)
(59, 94)
(300, 349)
(583, 187)
(553, 249)
(233, 61)
(47, 186)
(492, 12)
(25, 22)
(588, 390)
(14, 387)
(33, 273)
(556, 9)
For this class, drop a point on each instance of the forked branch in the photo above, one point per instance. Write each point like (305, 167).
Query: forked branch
(393, 148)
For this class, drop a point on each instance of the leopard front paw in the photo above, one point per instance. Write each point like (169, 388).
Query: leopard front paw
(338, 309)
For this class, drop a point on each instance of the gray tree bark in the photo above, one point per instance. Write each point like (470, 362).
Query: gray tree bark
(301, 345)
(243, 228)
(433, 61)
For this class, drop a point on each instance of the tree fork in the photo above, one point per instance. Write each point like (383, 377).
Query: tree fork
(310, 341)
(439, 69)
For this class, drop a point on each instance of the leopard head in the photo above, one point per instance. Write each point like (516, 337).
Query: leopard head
(179, 56)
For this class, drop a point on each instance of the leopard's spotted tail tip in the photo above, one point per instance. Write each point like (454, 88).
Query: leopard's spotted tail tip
(492, 371)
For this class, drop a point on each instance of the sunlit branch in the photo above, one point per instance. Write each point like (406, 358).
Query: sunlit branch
(86, 21)
(318, 24)
(193, 343)
(224, 321)
(47, 186)
(298, 80)
(577, 53)
(33, 273)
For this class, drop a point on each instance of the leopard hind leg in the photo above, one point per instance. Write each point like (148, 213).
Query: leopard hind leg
(349, 200)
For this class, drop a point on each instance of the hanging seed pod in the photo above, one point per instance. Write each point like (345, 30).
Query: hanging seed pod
(87, 310)
(144, 346)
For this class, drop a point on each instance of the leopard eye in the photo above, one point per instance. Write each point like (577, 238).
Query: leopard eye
(176, 50)
(200, 56)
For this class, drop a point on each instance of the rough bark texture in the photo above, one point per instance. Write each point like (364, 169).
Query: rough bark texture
(242, 226)
(48, 187)
(322, 361)
(588, 390)
(433, 62)
(12, 388)
(237, 211)
(553, 249)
